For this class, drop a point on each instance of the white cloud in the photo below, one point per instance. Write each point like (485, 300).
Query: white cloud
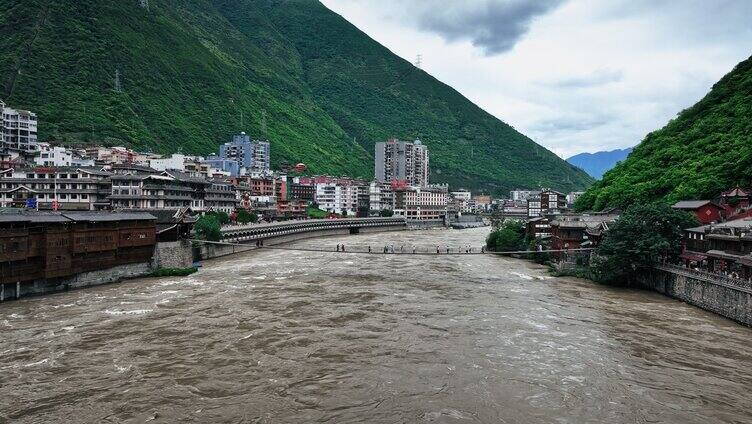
(584, 75)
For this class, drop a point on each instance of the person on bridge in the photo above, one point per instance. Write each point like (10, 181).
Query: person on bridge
(343, 247)
(483, 249)
(337, 247)
(413, 250)
(437, 250)
(369, 248)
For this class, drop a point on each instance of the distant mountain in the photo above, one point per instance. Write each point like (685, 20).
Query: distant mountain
(165, 75)
(704, 150)
(596, 164)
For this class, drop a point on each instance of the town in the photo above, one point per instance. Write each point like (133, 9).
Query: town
(38, 176)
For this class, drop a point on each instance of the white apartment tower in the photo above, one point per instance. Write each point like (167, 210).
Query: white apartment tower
(19, 129)
(402, 161)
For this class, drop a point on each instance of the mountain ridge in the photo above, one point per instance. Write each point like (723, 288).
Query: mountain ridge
(706, 149)
(597, 163)
(294, 72)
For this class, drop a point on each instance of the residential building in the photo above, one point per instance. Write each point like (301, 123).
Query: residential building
(53, 156)
(195, 166)
(62, 188)
(722, 248)
(198, 184)
(305, 192)
(483, 202)
(153, 191)
(337, 198)
(553, 202)
(534, 206)
(573, 231)
(252, 155)
(421, 203)
(292, 209)
(520, 195)
(402, 161)
(18, 130)
(461, 201)
(176, 161)
(220, 196)
(381, 197)
(706, 211)
(111, 155)
(573, 196)
(230, 166)
(538, 227)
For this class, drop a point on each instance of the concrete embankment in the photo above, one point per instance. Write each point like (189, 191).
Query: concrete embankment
(729, 298)
(175, 254)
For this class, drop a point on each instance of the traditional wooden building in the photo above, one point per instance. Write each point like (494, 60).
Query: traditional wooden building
(706, 211)
(47, 245)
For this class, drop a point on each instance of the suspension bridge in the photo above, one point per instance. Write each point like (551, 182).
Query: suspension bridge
(394, 250)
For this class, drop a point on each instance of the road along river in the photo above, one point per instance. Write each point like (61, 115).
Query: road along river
(286, 336)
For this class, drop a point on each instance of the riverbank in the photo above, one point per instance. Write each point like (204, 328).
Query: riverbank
(290, 336)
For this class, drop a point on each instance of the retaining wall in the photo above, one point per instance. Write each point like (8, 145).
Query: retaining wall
(84, 279)
(728, 300)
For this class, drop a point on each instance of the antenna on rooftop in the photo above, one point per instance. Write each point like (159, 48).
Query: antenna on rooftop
(418, 61)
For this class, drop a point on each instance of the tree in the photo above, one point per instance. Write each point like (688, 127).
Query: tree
(509, 236)
(642, 237)
(386, 213)
(208, 228)
(222, 217)
(244, 217)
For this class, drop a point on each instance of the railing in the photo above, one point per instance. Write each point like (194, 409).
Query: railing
(723, 280)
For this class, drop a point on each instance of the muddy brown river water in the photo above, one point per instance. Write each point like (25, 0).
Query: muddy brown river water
(299, 337)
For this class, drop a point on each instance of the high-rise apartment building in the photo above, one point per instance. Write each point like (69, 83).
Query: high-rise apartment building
(253, 155)
(402, 161)
(18, 129)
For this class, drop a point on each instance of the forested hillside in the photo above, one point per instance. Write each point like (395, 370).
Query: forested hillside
(706, 149)
(188, 74)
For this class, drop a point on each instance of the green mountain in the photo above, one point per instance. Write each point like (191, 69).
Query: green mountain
(166, 74)
(703, 151)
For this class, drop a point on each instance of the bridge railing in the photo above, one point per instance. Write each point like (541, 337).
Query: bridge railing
(720, 279)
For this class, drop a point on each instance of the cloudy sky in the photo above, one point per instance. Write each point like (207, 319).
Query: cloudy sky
(574, 75)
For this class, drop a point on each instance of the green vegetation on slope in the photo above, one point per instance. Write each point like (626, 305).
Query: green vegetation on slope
(319, 89)
(706, 149)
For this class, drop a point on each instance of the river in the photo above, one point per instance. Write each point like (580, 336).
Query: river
(299, 337)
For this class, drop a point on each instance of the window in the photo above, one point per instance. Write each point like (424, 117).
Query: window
(84, 196)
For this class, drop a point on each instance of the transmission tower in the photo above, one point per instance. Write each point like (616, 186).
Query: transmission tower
(418, 61)
(118, 87)
(263, 122)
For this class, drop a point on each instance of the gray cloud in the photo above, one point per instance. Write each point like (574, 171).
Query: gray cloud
(571, 123)
(594, 79)
(492, 25)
